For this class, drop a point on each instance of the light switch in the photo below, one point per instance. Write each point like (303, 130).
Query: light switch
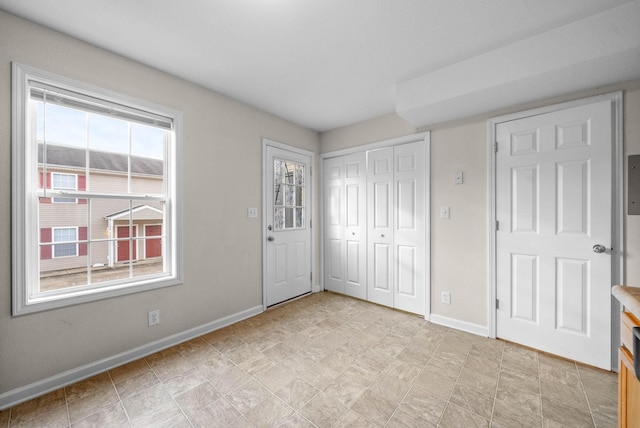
(457, 177)
(444, 212)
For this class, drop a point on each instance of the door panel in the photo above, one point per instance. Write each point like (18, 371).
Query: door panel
(553, 204)
(524, 287)
(406, 270)
(153, 246)
(571, 295)
(288, 234)
(126, 247)
(573, 209)
(382, 272)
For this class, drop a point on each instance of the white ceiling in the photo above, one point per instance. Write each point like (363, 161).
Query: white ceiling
(322, 63)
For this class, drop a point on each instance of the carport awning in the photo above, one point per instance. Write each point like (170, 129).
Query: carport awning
(140, 212)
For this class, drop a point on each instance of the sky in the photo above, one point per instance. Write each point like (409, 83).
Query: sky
(70, 127)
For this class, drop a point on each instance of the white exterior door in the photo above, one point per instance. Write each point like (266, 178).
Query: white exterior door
(288, 231)
(345, 224)
(553, 206)
(396, 209)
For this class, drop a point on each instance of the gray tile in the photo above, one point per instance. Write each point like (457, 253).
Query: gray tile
(328, 360)
(455, 417)
(374, 407)
(324, 410)
(510, 411)
(478, 403)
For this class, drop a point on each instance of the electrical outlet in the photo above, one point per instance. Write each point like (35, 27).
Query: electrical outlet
(154, 317)
(445, 297)
(252, 212)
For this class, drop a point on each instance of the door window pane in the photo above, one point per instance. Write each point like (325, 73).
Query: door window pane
(289, 194)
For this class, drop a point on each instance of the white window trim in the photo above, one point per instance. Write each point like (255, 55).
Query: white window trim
(25, 259)
(54, 243)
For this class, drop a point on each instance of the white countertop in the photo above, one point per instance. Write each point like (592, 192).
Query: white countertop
(629, 297)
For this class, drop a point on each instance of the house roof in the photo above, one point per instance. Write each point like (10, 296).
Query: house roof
(76, 157)
(139, 212)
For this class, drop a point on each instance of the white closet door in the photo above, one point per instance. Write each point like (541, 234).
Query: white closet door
(355, 231)
(334, 225)
(380, 226)
(409, 227)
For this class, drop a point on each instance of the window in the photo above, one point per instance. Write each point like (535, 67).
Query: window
(91, 169)
(64, 182)
(65, 240)
(289, 195)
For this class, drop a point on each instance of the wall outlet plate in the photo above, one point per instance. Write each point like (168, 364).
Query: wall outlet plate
(252, 212)
(154, 317)
(445, 297)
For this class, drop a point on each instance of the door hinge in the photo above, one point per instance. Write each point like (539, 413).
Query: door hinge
(311, 276)
(497, 225)
(495, 147)
(497, 304)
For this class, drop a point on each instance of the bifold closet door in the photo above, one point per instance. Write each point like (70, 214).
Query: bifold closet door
(345, 225)
(396, 226)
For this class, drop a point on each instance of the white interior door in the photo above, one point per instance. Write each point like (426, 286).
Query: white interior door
(288, 231)
(553, 205)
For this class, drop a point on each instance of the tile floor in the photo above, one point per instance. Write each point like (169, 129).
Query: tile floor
(332, 361)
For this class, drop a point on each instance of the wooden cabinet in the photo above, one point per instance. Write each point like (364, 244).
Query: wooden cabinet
(628, 383)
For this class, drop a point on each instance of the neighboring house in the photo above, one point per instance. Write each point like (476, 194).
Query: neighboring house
(109, 223)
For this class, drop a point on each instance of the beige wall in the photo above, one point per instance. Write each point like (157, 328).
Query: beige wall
(459, 245)
(222, 258)
(368, 131)
(222, 247)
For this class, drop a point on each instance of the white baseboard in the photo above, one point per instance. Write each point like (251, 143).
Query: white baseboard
(27, 392)
(480, 330)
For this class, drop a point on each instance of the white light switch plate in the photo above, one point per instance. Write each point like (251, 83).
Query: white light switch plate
(444, 212)
(457, 177)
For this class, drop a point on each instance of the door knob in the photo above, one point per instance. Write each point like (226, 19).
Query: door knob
(598, 248)
(270, 238)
